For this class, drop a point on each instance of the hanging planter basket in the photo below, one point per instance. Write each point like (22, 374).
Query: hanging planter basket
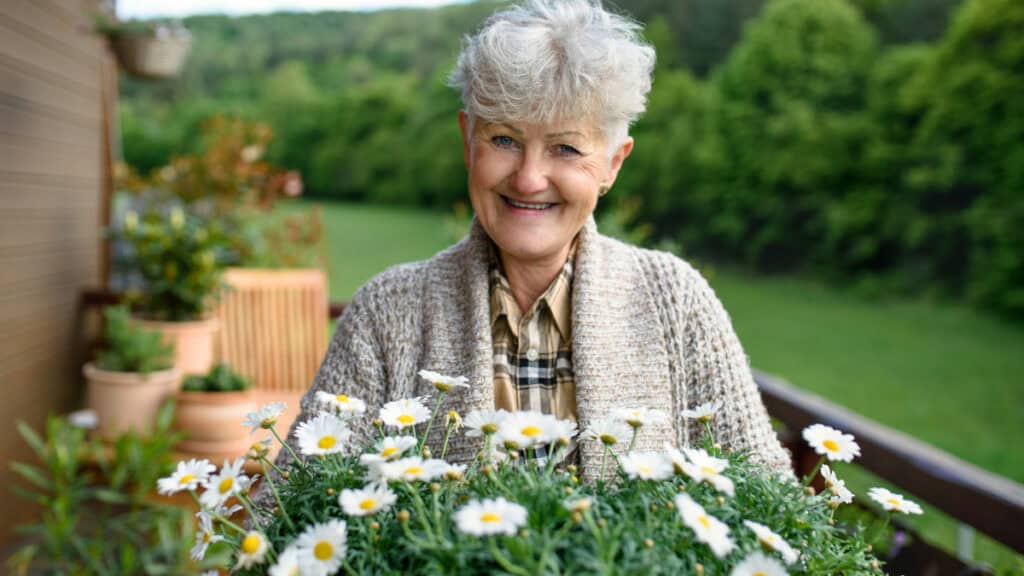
(156, 54)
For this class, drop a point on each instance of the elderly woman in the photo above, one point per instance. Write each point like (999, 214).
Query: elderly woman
(537, 308)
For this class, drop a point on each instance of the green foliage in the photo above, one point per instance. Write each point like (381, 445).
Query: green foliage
(131, 348)
(627, 526)
(784, 134)
(973, 127)
(180, 259)
(97, 516)
(220, 378)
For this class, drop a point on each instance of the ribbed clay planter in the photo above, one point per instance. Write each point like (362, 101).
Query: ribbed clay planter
(193, 342)
(212, 422)
(126, 401)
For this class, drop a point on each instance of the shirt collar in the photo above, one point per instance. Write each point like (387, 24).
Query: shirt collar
(557, 298)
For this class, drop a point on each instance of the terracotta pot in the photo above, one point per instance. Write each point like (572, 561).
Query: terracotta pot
(212, 422)
(193, 342)
(126, 401)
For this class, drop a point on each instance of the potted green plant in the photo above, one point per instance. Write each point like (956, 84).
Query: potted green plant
(179, 259)
(148, 49)
(131, 376)
(208, 405)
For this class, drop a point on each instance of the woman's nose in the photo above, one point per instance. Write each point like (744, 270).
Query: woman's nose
(531, 177)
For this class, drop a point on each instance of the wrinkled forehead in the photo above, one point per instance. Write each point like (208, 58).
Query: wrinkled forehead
(572, 127)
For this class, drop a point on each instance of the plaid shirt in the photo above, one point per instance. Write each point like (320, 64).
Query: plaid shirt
(533, 351)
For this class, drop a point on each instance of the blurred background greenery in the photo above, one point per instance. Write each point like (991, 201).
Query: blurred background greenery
(848, 173)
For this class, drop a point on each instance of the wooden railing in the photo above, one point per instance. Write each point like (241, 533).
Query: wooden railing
(989, 503)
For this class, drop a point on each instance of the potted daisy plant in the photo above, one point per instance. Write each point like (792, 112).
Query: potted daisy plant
(389, 504)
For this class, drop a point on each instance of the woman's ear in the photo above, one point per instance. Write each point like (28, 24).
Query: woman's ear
(464, 130)
(617, 159)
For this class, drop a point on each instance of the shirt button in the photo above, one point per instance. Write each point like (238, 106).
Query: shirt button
(532, 355)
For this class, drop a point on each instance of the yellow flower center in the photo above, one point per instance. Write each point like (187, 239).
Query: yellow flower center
(327, 442)
(608, 439)
(186, 479)
(250, 544)
(893, 501)
(490, 517)
(413, 471)
(759, 573)
(368, 504)
(708, 470)
(206, 537)
(390, 450)
(323, 551)
(531, 431)
(644, 469)
(703, 520)
(831, 445)
(225, 485)
(341, 398)
(406, 419)
(257, 447)
(489, 428)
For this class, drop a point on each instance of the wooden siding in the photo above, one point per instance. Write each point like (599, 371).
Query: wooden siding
(57, 88)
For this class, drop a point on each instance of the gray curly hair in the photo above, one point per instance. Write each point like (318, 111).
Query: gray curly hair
(545, 60)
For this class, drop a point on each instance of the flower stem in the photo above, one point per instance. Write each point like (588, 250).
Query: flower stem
(504, 562)
(814, 473)
(277, 496)
(447, 434)
(430, 423)
(632, 441)
(604, 455)
(288, 448)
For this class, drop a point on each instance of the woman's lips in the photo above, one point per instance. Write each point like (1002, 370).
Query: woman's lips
(527, 207)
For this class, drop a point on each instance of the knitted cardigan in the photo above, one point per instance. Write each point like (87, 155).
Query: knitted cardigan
(647, 332)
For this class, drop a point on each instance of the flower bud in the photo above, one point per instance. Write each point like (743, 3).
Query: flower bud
(698, 569)
(374, 525)
(669, 505)
(577, 517)
(601, 522)
(377, 422)
(426, 452)
(524, 533)
(720, 500)
(286, 474)
(571, 468)
(833, 504)
(831, 522)
(649, 543)
(874, 564)
(435, 487)
(809, 491)
(402, 516)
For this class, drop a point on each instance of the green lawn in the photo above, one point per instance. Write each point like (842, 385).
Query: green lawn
(945, 374)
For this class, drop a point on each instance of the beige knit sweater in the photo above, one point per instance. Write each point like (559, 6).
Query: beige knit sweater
(647, 332)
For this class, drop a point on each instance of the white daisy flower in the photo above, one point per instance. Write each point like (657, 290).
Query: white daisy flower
(324, 434)
(341, 403)
(259, 449)
(768, 538)
(391, 448)
(366, 501)
(287, 563)
(609, 431)
(252, 550)
(442, 382)
(412, 469)
(831, 442)
(321, 548)
(204, 536)
(703, 413)
(404, 413)
(646, 466)
(564, 429)
(491, 516)
(454, 472)
(708, 529)
(265, 417)
(638, 417)
(224, 484)
(522, 430)
(483, 422)
(757, 564)
(187, 476)
(840, 493)
(581, 504)
(703, 467)
(893, 501)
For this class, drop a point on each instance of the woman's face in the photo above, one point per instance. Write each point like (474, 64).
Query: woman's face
(533, 186)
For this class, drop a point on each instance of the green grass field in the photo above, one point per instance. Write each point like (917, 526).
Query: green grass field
(945, 374)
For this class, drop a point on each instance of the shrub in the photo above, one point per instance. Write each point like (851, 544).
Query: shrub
(131, 348)
(220, 378)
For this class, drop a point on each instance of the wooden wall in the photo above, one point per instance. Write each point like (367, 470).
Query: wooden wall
(57, 89)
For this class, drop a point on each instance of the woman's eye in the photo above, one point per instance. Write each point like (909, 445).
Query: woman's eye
(566, 150)
(503, 142)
